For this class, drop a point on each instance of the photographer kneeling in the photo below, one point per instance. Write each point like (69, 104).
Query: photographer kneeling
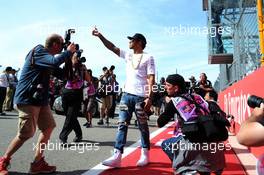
(31, 98)
(188, 153)
(251, 131)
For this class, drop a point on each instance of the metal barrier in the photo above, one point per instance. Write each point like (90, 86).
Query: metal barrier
(238, 23)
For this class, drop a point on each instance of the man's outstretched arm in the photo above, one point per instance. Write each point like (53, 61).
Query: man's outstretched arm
(109, 45)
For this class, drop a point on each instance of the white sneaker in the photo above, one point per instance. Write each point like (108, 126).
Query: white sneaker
(115, 160)
(144, 158)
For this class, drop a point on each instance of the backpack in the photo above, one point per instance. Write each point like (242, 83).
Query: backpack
(201, 125)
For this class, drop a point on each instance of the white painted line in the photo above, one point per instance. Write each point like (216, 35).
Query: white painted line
(171, 132)
(247, 159)
(99, 168)
(159, 142)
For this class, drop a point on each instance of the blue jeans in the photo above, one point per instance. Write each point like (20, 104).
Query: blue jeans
(167, 146)
(127, 107)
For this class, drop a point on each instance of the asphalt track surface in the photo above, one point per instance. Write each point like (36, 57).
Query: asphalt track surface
(96, 146)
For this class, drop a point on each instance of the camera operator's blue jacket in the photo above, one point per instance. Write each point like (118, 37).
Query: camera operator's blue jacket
(37, 72)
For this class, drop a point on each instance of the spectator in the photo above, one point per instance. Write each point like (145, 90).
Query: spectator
(160, 102)
(193, 84)
(217, 42)
(115, 89)
(90, 103)
(193, 81)
(12, 81)
(204, 85)
(58, 85)
(211, 98)
(31, 98)
(156, 99)
(95, 82)
(4, 84)
(14, 85)
(140, 70)
(105, 84)
(51, 91)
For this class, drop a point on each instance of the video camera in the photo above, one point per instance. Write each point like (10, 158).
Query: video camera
(67, 38)
(190, 88)
(254, 101)
(67, 42)
(112, 68)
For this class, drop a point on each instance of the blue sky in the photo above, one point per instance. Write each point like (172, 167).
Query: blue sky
(25, 24)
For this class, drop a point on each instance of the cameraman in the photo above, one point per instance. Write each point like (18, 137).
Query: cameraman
(105, 90)
(32, 103)
(183, 106)
(251, 132)
(72, 96)
(115, 89)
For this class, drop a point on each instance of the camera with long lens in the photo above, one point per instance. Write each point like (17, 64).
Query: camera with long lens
(191, 88)
(67, 38)
(254, 101)
(67, 42)
(112, 68)
(79, 54)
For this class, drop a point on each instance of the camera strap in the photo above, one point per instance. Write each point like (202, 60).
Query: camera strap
(32, 65)
(192, 100)
(32, 60)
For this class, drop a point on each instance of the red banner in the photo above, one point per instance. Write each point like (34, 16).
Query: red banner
(233, 100)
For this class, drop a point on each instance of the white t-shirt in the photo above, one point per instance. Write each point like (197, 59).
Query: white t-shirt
(3, 80)
(137, 72)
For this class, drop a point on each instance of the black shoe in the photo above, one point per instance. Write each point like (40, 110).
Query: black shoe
(77, 139)
(101, 122)
(2, 113)
(136, 123)
(85, 124)
(107, 121)
(63, 143)
(88, 125)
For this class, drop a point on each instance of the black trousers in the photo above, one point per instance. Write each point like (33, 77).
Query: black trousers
(111, 112)
(2, 97)
(71, 102)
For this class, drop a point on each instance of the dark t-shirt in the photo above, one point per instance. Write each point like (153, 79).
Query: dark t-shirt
(201, 91)
(167, 115)
(215, 108)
